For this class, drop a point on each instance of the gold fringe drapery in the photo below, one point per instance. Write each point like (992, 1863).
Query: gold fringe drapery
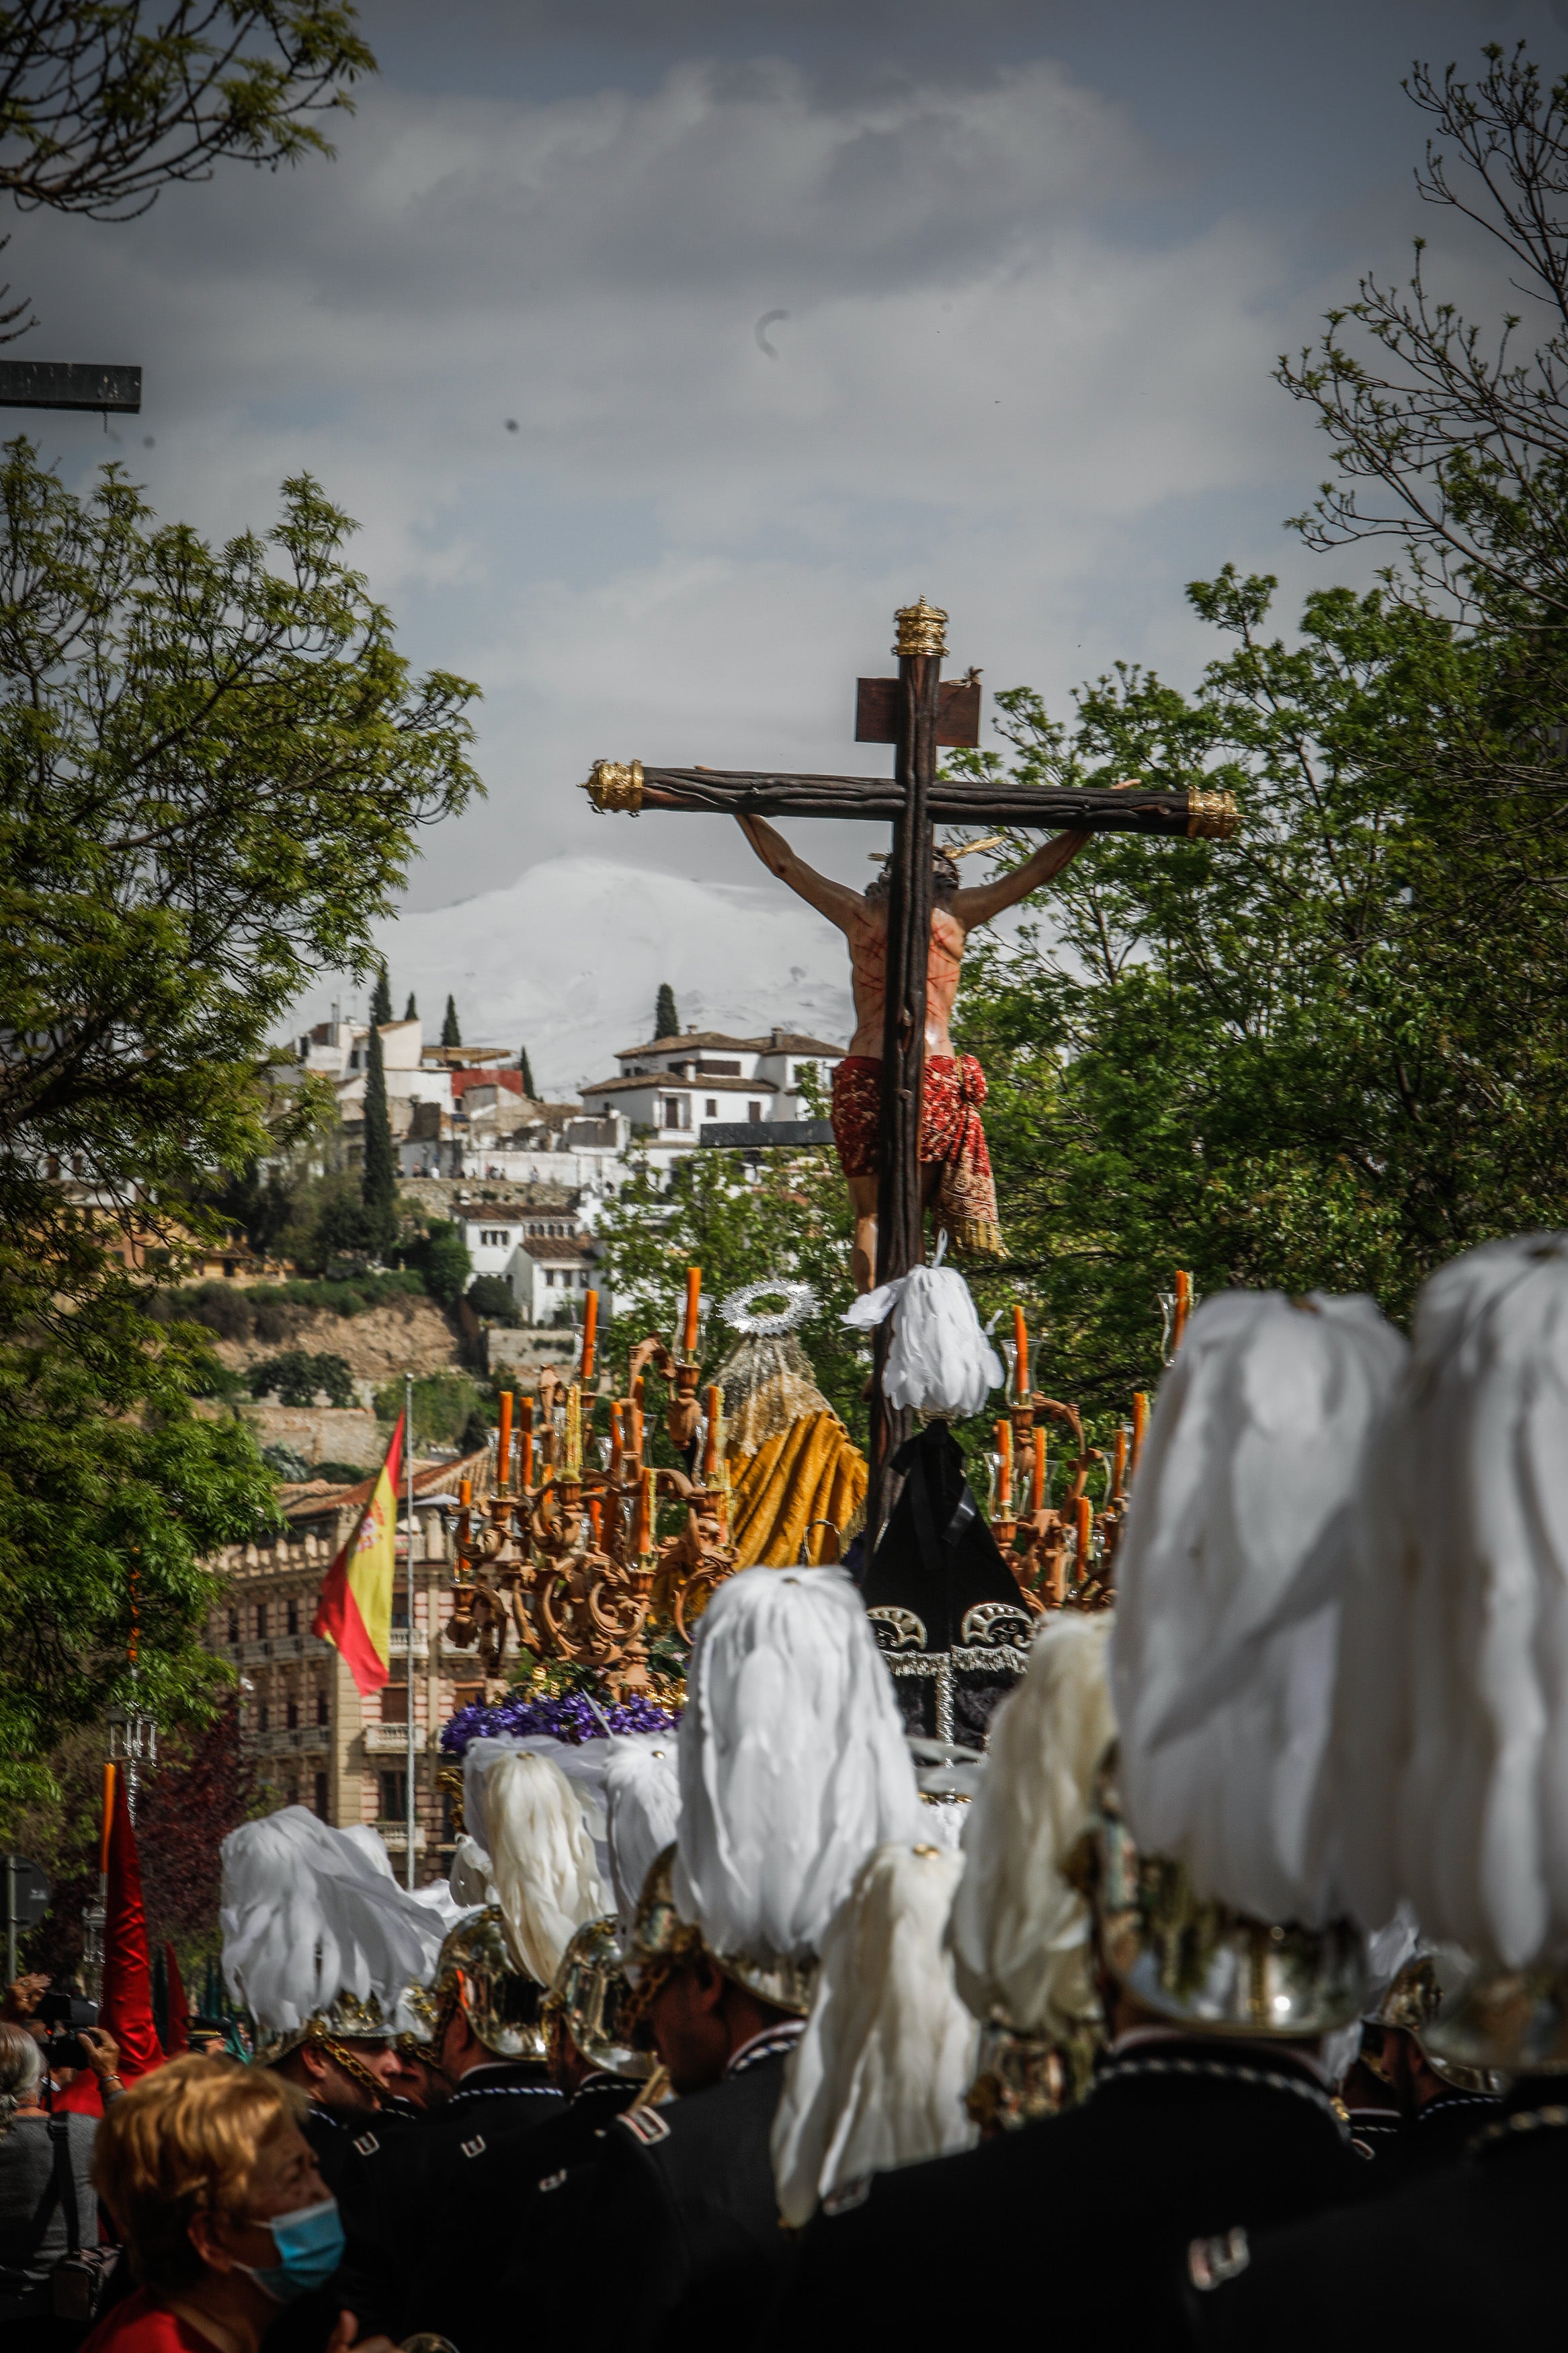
(811, 1471)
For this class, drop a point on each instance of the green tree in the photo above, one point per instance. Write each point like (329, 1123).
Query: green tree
(1322, 1054)
(379, 1176)
(491, 1295)
(793, 1221)
(214, 764)
(411, 1010)
(527, 1074)
(451, 1031)
(381, 1001)
(441, 1256)
(665, 1019)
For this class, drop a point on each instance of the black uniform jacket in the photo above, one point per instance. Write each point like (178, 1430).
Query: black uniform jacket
(1084, 2217)
(678, 2210)
(427, 2208)
(1470, 2256)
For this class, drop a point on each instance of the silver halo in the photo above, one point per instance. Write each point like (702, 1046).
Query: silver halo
(736, 1310)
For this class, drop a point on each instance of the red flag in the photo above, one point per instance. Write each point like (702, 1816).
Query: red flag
(126, 2009)
(179, 2035)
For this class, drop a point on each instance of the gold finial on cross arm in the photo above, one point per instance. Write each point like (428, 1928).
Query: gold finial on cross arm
(614, 784)
(921, 629)
(1211, 816)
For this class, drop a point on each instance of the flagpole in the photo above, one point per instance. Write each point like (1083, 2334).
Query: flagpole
(408, 1458)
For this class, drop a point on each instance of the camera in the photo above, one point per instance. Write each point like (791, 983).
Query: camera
(65, 2014)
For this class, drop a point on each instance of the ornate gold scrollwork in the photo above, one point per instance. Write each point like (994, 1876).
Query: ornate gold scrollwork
(1212, 816)
(614, 784)
(921, 628)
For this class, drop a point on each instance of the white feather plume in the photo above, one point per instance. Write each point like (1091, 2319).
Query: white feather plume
(642, 1797)
(541, 1860)
(307, 1914)
(793, 1762)
(879, 2077)
(471, 1880)
(1451, 1737)
(1230, 1578)
(1019, 1933)
(939, 1361)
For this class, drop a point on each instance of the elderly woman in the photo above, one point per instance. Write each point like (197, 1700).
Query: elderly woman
(33, 2223)
(217, 2195)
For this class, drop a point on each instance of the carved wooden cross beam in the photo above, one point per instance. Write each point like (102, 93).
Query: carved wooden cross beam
(918, 714)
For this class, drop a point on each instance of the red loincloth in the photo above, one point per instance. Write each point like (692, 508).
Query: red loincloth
(950, 1132)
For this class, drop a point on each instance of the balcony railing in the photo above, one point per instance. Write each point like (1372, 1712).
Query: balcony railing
(277, 1646)
(398, 1641)
(287, 1740)
(392, 1739)
(395, 1836)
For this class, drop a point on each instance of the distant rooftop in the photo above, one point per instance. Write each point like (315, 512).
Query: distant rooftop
(777, 1041)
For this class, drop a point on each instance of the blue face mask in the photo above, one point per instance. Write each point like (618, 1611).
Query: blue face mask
(309, 2245)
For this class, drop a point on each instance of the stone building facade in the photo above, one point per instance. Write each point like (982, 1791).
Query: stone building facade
(312, 1738)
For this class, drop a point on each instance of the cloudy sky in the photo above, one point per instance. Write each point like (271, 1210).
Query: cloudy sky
(1030, 262)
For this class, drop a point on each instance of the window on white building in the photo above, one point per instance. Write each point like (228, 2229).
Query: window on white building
(492, 1238)
(672, 1105)
(753, 1112)
(712, 1111)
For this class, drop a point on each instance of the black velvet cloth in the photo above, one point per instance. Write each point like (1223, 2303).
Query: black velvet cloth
(937, 1555)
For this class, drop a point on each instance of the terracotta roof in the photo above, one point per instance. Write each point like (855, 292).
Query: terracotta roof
(465, 1079)
(571, 1247)
(662, 1079)
(788, 1041)
(320, 1498)
(501, 1213)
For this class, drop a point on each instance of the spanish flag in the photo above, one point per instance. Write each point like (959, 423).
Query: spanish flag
(354, 1611)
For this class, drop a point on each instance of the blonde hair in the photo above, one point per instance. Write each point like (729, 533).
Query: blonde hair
(183, 2142)
(21, 2064)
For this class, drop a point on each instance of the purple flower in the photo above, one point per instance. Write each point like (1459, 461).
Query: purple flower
(570, 1718)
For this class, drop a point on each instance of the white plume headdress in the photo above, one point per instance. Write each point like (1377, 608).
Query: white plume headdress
(792, 1764)
(642, 1798)
(1230, 1579)
(315, 1927)
(879, 2077)
(1020, 1932)
(1450, 1761)
(541, 1860)
(939, 1361)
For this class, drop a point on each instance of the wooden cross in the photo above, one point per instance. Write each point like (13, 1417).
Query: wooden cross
(919, 714)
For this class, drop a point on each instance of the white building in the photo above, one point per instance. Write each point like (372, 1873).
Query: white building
(341, 1051)
(548, 1261)
(671, 1088)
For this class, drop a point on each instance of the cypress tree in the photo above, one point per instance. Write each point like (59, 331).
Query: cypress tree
(411, 1010)
(381, 999)
(451, 1035)
(666, 1019)
(527, 1074)
(378, 1184)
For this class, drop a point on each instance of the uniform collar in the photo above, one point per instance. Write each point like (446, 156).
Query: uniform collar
(1253, 2052)
(771, 2044)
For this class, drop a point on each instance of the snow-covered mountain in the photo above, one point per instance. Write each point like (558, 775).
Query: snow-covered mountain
(567, 961)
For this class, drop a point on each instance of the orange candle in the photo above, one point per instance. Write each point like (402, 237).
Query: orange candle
(595, 1508)
(710, 1444)
(636, 1410)
(646, 1514)
(1140, 1424)
(617, 1448)
(1037, 1470)
(525, 1442)
(464, 1493)
(1119, 1468)
(108, 1820)
(1183, 1307)
(590, 1328)
(1005, 1470)
(694, 1294)
(1085, 1535)
(1020, 1353)
(503, 1442)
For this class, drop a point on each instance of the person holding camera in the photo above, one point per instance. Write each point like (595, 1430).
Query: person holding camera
(34, 2222)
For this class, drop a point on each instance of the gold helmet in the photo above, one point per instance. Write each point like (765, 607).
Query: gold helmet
(662, 1941)
(591, 1997)
(1507, 2022)
(476, 1972)
(1203, 1963)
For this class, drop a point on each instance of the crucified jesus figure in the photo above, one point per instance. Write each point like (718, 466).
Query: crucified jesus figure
(955, 1167)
